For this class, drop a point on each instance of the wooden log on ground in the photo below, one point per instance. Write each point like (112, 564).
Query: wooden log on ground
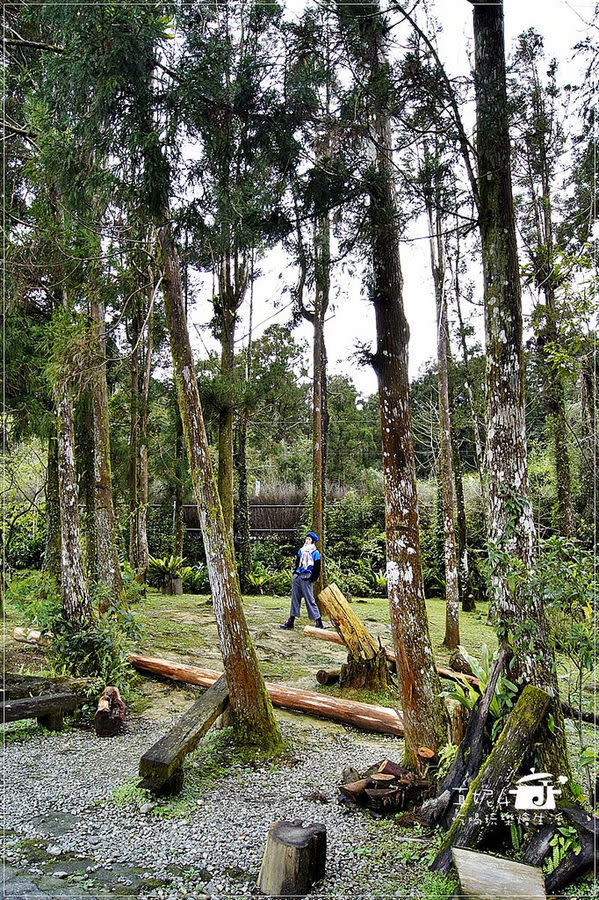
(333, 638)
(294, 859)
(499, 770)
(48, 709)
(378, 719)
(110, 714)
(31, 636)
(366, 662)
(160, 766)
(493, 878)
(327, 676)
(17, 686)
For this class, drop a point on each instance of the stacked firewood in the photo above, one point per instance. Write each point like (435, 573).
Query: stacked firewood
(385, 787)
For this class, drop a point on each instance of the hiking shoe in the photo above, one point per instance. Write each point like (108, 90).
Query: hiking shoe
(318, 623)
(288, 624)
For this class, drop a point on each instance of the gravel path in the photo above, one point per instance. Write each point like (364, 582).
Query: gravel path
(65, 829)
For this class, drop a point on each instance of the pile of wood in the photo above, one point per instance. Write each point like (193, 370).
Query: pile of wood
(387, 787)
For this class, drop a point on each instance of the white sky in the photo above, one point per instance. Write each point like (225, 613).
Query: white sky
(562, 23)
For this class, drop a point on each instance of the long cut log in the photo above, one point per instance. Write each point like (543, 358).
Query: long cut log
(39, 707)
(354, 634)
(379, 719)
(499, 770)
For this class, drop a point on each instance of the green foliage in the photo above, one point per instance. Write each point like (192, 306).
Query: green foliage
(95, 649)
(467, 695)
(266, 580)
(195, 579)
(37, 599)
(168, 566)
(447, 754)
(565, 841)
(134, 590)
(26, 547)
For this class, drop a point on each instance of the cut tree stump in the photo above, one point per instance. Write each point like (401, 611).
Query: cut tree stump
(366, 665)
(294, 858)
(475, 818)
(484, 877)
(110, 714)
(48, 709)
(333, 638)
(379, 719)
(161, 766)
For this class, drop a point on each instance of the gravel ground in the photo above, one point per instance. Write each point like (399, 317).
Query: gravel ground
(64, 828)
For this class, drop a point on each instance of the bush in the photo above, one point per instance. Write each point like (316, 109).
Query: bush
(26, 549)
(37, 599)
(195, 579)
(165, 567)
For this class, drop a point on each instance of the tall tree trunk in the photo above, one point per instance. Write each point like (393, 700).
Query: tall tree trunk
(590, 460)
(243, 508)
(521, 620)
(52, 551)
(465, 581)
(422, 707)
(134, 442)
(87, 491)
(452, 596)
(108, 564)
(322, 257)
(179, 528)
(228, 304)
(73, 585)
(252, 712)
(143, 553)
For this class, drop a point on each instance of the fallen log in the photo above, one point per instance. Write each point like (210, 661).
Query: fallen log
(327, 676)
(379, 719)
(31, 636)
(571, 712)
(110, 714)
(17, 686)
(476, 817)
(160, 766)
(333, 638)
(366, 661)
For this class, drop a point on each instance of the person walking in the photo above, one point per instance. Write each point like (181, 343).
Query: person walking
(305, 574)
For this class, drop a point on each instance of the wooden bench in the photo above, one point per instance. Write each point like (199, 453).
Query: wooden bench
(161, 767)
(48, 709)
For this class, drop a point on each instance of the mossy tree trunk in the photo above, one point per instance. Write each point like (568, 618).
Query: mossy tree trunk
(108, 564)
(52, 551)
(133, 475)
(251, 707)
(143, 552)
(422, 708)
(521, 619)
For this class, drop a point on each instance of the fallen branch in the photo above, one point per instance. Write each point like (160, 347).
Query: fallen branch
(380, 719)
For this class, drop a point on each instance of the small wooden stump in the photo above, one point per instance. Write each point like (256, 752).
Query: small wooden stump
(110, 714)
(294, 859)
(484, 877)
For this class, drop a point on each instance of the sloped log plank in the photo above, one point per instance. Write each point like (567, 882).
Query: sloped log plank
(354, 634)
(500, 768)
(379, 719)
(159, 764)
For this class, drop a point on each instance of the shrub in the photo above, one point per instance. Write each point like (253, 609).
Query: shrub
(166, 567)
(195, 579)
(37, 599)
(26, 548)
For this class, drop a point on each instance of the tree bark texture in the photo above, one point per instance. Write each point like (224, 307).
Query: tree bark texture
(452, 594)
(243, 506)
(422, 708)
(87, 482)
(73, 585)
(52, 551)
(108, 564)
(511, 526)
(251, 708)
(179, 526)
(143, 552)
(322, 254)
(134, 440)
(464, 579)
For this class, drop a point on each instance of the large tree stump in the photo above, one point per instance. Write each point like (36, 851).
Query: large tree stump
(367, 661)
(294, 859)
(110, 714)
(475, 817)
